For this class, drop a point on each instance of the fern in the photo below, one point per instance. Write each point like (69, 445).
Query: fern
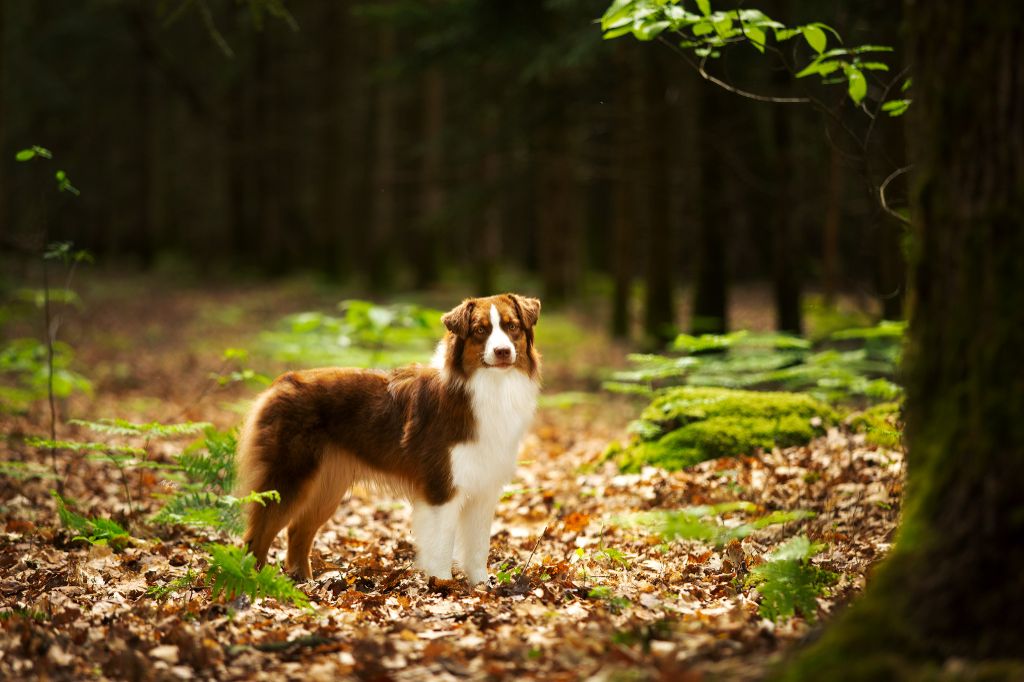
(691, 523)
(94, 531)
(789, 583)
(184, 582)
(213, 464)
(123, 427)
(204, 500)
(79, 446)
(18, 471)
(232, 572)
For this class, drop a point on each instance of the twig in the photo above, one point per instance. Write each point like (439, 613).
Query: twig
(881, 194)
(49, 376)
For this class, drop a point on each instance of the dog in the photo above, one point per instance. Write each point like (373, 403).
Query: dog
(444, 436)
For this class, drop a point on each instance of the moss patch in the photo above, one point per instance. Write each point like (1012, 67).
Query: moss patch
(686, 425)
(882, 425)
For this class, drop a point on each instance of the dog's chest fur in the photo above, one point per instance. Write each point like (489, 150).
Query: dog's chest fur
(503, 404)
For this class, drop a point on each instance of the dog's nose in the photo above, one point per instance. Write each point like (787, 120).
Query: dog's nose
(503, 353)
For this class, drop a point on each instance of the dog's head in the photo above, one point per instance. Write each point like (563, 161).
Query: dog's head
(492, 334)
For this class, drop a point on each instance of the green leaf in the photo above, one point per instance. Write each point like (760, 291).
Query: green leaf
(896, 107)
(756, 37)
(858, 85)
(703, 28)
(819, 67)
(816, 38)
(704, 6)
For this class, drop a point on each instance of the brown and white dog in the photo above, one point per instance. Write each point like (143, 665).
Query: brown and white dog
(445, 436)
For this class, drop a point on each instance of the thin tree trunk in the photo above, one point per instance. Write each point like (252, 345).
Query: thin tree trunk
(659, 315)
(785, 234)
(384, 180)
(432, 194)
(490, 242)
(830, 261)
(330, 228)
(953, 584)
(556, 220)
(710, 294)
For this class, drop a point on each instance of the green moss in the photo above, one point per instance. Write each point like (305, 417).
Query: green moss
(882, 425)
(687, 425)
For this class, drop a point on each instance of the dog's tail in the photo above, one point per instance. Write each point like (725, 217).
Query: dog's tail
(257, 449)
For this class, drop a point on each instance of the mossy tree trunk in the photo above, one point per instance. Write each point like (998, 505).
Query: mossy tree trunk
(954, 584)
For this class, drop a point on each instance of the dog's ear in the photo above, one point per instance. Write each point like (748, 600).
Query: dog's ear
(457, 319)
(529, 308)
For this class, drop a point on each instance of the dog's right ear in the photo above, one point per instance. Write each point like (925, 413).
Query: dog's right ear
(457, 319)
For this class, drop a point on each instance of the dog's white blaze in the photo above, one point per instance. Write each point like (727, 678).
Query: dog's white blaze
(497, 339)
(503, 405)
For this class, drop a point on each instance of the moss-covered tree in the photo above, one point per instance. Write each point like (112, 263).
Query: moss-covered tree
(954, 583)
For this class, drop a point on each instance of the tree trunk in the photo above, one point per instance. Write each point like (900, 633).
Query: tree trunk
(833, 219)
(710, 302)
(786, 251)
(953, 585)
(432, 194)
(489, 245)
(659, 313)
(329, 230)
(384, 180)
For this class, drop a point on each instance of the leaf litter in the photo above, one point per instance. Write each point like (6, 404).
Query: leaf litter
(576, 592)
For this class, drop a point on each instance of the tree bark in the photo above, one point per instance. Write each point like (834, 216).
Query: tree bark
(786, 243)
(384, 180)
(432, 188)
(659, 312)
(953, 585)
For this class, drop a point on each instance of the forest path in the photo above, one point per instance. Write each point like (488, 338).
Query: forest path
(576, 592)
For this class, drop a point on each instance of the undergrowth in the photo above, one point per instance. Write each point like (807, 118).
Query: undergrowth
(789, 584)
(733, 394)
(684, 426)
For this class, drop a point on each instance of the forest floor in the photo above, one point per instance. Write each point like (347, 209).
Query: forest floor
(575, 593)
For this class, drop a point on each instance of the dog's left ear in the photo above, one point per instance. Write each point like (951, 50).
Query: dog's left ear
(529, 308)
(458, 318)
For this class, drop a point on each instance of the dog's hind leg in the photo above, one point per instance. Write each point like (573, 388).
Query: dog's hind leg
(332, 481)
(265, 522)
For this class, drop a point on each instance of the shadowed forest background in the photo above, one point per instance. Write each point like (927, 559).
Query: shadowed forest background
(399, 145)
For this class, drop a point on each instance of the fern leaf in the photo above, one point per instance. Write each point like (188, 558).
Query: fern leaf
(232, 572)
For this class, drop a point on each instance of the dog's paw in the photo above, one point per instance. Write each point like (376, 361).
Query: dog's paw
(476, 576)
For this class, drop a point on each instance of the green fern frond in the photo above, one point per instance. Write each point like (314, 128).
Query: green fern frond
(788, 583)
(94, 531)
(232, 572)
(184, 582)
(80, 446)
(123, 427)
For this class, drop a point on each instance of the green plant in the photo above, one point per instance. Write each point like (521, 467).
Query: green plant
(881, 424)
(788, 583)
(363, 335)
(849, 365)
(184, 582)
(124, 457)
(94, 531)
(686, 425)
(232, 572)
(706, 33)
(695, 523)
(605, 594)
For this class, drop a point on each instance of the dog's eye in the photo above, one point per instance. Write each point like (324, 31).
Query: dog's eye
(513, 327)
(480, 330)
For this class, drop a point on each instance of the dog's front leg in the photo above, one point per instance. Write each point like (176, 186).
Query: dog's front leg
(434, 529)
(475, 535)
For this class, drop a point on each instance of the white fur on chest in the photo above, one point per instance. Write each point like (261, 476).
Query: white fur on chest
(503, 405)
